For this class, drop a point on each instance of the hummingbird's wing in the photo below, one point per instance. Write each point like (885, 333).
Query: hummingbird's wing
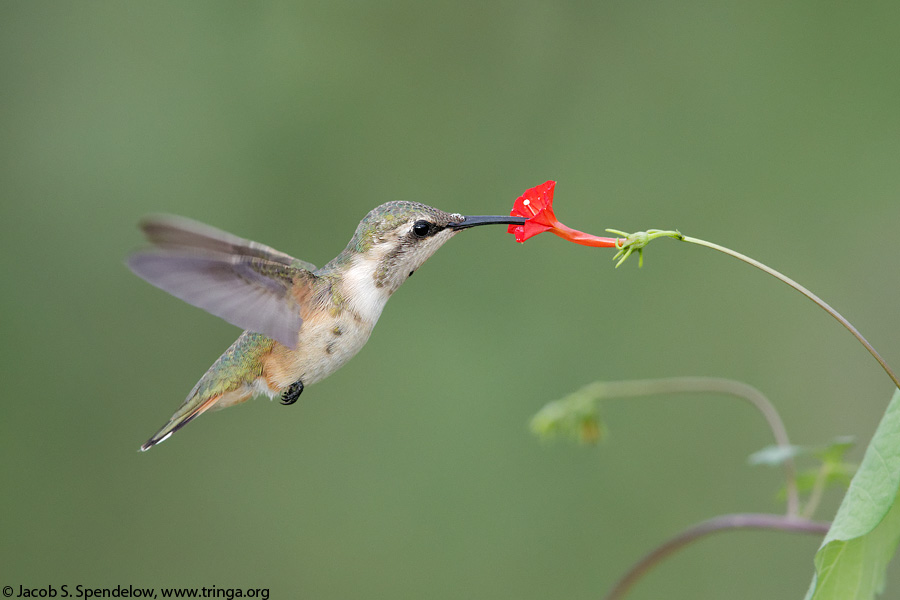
(246, 283)
(172, 231)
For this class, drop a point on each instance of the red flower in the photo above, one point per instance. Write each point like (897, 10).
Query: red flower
(536, 205)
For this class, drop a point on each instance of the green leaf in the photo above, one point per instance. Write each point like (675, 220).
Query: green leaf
(835, 451)
(851, 562)
(576, 416)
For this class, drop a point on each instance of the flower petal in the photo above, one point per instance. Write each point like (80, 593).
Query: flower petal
(529, 229)
(534, 200)
(536, 205)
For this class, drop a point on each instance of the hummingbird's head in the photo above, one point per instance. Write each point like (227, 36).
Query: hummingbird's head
(394, 239)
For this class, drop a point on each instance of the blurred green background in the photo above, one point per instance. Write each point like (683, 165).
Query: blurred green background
(769, 127)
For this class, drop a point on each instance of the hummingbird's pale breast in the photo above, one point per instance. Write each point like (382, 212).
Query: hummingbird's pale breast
(326, 341)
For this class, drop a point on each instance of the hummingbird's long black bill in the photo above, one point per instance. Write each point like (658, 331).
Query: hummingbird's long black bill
(474, 221)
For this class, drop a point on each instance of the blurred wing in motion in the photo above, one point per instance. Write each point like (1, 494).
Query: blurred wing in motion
(246, 283)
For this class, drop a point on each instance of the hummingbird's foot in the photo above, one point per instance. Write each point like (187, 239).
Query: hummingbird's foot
(293, 392)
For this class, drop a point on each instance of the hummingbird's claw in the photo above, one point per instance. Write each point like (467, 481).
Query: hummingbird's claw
(291, 394)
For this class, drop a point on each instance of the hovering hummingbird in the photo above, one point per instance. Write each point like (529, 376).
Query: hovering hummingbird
(302, 323)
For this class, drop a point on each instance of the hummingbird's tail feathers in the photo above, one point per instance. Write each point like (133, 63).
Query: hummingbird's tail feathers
(232, 379)
(179, 420)
(195, 406)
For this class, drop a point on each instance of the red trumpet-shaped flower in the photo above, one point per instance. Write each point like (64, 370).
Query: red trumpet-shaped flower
(536, 205)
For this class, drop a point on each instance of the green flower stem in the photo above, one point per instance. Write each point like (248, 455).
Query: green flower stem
(717, 524)
(632, 242)
(674, 385)
(785, 279)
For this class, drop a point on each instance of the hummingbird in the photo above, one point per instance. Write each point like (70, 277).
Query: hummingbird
(301, 323)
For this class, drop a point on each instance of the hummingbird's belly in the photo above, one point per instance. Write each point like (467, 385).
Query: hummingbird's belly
(324, 346)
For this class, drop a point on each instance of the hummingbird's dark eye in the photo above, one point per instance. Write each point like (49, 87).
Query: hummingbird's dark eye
(421, 228)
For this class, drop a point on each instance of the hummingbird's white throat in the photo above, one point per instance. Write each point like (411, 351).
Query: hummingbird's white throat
(359, 289)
